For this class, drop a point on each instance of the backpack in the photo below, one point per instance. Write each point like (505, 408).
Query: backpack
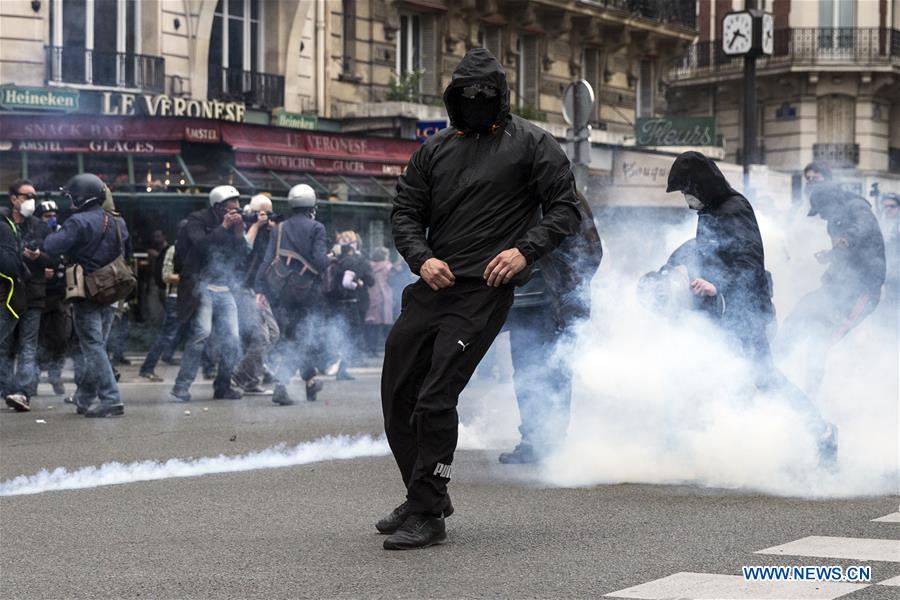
(291, 286)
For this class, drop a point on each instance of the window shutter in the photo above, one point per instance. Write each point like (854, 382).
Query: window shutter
(591, 69)
(428, 55)
(493, 42)
(530, 66)
(645, 91)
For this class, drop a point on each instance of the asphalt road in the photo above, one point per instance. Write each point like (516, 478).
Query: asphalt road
(307, 531)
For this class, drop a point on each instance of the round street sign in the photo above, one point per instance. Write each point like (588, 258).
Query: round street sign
(578, 100)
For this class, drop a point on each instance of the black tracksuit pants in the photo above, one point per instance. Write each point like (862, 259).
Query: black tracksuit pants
(430, 354)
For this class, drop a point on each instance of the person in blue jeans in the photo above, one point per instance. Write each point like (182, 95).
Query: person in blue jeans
(165, 341)
(89, 239)
(209, 257)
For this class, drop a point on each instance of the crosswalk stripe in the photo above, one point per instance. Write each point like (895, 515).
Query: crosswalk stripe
(891, 518)
(840, 547)
(702, 586)
(891, 581)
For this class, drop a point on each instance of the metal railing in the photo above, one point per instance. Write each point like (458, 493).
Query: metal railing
(68, 64)
(804, 46)
(841, 156)
(682, 12)
(256, 89)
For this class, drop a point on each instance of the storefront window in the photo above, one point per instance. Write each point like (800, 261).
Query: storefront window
(50, 171)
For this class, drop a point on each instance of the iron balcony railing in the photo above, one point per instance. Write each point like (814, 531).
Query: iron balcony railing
(805, 46)
(840, 156)
(72, 64)
(682, 12)
(256, 89)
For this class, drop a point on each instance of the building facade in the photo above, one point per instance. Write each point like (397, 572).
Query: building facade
(830, 91)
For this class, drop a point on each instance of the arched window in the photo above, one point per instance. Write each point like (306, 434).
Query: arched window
(235, 47)
(98, 42)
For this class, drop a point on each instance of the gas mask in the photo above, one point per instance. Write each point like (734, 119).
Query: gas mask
(26, 209)
(479, 112)
(693, 201)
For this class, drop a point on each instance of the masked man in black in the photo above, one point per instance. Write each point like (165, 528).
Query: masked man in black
(730, 265)
(479, 202)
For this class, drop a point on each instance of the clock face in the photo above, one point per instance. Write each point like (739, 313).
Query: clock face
(737, 33)
(768, 33)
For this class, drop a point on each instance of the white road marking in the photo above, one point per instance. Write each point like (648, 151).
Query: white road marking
(891, 518)
(840, 547)
(891, 581)
(702, 586)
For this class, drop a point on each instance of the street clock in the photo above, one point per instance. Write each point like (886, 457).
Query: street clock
(748, 33)
(737, 33)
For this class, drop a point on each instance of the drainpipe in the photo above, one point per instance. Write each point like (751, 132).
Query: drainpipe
(321, 53)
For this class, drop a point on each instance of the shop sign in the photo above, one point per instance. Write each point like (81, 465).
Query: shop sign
(282, 118)
(641, 169)
(202, 133)
(13, 97)
(281, 162)
(100, 146)
(426, 129)
(161, 105)
(675, 131)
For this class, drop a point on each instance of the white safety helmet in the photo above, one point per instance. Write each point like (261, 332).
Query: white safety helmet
(221, 193)
(257, 203)
(302, 196)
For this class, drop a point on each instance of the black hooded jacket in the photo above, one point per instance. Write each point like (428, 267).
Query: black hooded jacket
(729, 248)
(465, 197)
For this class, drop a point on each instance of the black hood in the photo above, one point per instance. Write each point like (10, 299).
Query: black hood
(696, 174)
(477, 66)
(827, 195)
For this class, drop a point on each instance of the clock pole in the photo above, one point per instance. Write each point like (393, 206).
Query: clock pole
(749, 151)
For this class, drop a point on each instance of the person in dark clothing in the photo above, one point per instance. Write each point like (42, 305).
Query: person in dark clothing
(851, 286)
(56, 319)
(18, 354)
(300, 243)
(258, 327)
(13, 274)
(209, 258)
(543, 313)
(353, 277)
(479, 203)
(730, 264)
(92, 238)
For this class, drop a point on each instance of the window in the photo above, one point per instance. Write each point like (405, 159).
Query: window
(235, 42)
(837, 19)
(490, 37)
(527, 74)
(96, 42)
(646, 85)
(592, 72)
(836, 120)
(349, 36)
(409, 44)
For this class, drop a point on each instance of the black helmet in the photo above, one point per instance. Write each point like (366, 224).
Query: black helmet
(85, 189)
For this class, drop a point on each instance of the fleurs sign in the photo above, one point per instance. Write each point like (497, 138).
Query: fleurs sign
(675, 131)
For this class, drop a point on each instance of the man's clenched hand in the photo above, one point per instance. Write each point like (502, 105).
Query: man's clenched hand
(504, 267)
(437, 274)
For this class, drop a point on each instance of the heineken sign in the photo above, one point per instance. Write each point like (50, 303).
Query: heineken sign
(675, 131)
(29, 98)
(281, 118)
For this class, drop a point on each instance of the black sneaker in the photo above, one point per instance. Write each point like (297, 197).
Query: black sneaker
(523, 454)
(18, 402)
(395, 519)
(268, 377)
(121, 360)
(102, 411)
(229, 393)
(417, 531)
(58, 388)
(281, 396)
(313, 388)
(180, 394)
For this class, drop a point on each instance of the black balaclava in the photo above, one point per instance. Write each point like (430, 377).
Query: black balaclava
(479, 113)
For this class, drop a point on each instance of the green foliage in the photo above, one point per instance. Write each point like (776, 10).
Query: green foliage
(527, 111)
(405, 88)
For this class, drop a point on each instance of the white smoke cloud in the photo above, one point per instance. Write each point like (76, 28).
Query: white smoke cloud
(326, 448)
(668, 401)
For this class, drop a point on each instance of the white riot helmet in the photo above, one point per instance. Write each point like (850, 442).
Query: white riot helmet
(221, 193)
(302, 196)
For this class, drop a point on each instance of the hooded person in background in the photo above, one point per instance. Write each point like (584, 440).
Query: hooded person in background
(730, 265)
(350, 292)
(851, 285)
(92, 237)
(479, 202)
(18, 354)
(545, 309)
(209, 257)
